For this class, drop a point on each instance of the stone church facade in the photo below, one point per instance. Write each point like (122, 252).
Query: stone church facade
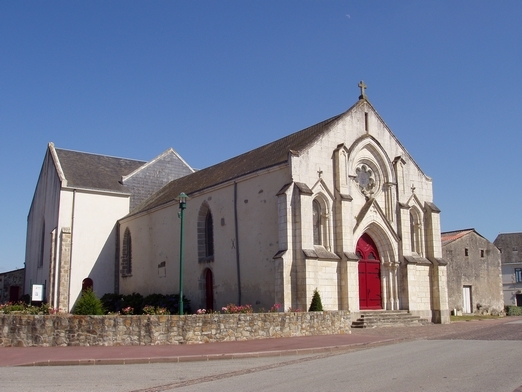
(340, 207)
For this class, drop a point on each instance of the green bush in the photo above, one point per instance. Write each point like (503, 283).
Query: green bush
(169, 301)
(88, 304)
(316, 305)
(162, 304)
(116, 303)
(23, 308)
(514, 310)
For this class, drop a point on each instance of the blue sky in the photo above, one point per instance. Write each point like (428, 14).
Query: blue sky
(213, 79)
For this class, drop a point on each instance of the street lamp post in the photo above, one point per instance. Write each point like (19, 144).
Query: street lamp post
(182, 205)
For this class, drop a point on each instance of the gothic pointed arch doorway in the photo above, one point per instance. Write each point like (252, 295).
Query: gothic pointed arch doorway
(369, 274)
(209, 289)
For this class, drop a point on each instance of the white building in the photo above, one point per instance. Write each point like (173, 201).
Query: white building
(510, 245)
(340, 206)
(71, 227)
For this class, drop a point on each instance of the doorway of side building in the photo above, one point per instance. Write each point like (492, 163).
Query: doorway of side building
(466, 299)
(14, 293)
(369, 274)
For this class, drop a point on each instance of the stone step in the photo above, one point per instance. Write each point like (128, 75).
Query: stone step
(378, 319)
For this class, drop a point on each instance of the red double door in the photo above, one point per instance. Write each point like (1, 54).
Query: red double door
(369, 274)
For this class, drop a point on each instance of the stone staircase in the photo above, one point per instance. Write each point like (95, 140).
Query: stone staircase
(387, 318)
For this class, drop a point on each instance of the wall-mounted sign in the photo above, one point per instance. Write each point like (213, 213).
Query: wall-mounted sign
(37, 294)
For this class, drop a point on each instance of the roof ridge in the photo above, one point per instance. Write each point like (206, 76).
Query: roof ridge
(100, 155)
(259, 158)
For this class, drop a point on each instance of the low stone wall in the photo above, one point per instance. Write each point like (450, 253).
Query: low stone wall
(69, 330)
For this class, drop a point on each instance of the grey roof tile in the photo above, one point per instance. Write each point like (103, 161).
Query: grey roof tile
(92, 171)
(260, 158)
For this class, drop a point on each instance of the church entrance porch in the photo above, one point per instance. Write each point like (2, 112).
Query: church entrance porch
(369, 274)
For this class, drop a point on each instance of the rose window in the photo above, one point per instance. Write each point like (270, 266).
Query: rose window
(365, 179)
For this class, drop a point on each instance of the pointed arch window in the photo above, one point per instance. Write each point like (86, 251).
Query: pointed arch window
(317, 223)
(416, 232)
(126, 254)
(209, 235)
(320, 223)
(205, 234)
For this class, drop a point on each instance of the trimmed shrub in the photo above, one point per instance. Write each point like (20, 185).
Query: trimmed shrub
(88, 304)
(316, 305)
(514, 310)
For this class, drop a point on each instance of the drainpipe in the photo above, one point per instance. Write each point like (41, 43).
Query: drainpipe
(237, 246)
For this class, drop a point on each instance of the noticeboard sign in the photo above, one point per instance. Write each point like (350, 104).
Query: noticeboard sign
(37, 292)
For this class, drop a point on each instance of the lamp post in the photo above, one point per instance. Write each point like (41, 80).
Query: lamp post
(182, 205)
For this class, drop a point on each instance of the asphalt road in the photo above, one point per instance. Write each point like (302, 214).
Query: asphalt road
(482, 358)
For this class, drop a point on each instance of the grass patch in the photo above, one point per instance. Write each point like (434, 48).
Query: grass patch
(471, 317)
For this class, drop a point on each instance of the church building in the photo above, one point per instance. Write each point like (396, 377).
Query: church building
(72, 223)
(340, 207)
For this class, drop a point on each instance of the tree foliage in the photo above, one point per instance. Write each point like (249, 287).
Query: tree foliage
(316, 305)
(88, 304)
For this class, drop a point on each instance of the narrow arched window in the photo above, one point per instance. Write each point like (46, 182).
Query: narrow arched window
(416, 232)
(126, 254)
(205, 234)
(317, 222)
(209, 235)
(42, 246)
(87, 284)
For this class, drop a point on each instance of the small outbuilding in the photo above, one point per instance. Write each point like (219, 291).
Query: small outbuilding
(474, 273)
(11, 285)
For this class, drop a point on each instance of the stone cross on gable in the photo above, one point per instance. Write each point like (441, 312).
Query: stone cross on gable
(362, 86)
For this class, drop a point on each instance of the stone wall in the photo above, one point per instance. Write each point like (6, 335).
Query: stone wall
(70, 330)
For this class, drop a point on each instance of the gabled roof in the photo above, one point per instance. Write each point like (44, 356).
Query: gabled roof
(509, 237)
(169, 151)
(509, 240)
(510, 245)
(93, 171)
(269, 155)
(450, 236)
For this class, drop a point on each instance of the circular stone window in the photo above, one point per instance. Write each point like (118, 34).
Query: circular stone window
(365, 178)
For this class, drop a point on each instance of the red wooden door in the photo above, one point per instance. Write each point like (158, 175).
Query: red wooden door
(369, 274)
(209, 289)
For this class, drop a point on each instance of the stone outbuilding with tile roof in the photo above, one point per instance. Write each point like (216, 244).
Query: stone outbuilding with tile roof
(340, 207)
(71, 226)
(474, 273)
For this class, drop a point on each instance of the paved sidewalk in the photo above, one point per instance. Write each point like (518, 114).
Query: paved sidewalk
(359, 338)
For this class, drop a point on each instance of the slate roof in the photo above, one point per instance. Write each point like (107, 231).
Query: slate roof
(92, 171)
(269, 155)
(514, 238)
(510, 245)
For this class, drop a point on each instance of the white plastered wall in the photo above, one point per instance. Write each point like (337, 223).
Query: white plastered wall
(91, 216)
(156, 236)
